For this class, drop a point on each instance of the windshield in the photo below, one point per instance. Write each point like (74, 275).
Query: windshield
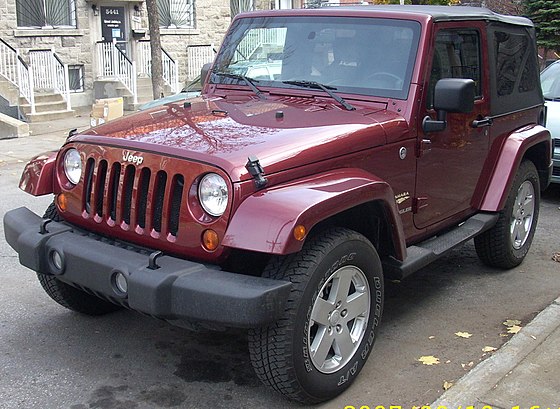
(550, 81)
(367, 56)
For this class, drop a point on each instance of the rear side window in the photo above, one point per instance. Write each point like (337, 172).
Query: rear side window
(514, 70)
(456, 55)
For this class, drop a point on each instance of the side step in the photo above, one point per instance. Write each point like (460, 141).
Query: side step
(424, 253)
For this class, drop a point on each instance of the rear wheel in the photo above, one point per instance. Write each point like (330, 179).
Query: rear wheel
(68, 296)
(506, 244)
(318, 347)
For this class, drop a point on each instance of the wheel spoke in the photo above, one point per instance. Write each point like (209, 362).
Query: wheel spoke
(343, 343)
(357, 304)
(321, 310)
(321, 345)
(341, 287)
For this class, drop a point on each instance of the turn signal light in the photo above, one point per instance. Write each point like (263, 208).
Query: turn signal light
(299, 232)
(210, 240)
(61, 201)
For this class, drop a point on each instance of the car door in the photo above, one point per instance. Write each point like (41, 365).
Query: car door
(450, 161)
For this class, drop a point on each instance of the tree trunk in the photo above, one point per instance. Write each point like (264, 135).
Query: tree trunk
(155, 45)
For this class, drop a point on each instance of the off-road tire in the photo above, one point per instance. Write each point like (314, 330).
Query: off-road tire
(68, 296)
(281, 353)
(495, 246)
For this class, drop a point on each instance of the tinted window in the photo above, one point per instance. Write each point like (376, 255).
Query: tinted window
(516, 67)
(456, 55)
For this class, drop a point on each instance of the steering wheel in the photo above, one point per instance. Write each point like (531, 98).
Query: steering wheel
(386, 78)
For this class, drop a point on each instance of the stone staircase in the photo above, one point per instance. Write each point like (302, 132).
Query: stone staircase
(114, 89)
(9, 95)
(48, 106)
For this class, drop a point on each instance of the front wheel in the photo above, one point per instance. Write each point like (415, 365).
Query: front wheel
(316, 350)
(506, 244)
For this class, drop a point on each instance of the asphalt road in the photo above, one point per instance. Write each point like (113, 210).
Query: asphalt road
(53, 358)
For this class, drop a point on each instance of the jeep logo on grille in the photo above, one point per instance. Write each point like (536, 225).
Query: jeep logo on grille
(129, 157)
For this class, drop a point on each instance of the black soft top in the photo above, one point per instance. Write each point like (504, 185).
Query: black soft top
(447, 13)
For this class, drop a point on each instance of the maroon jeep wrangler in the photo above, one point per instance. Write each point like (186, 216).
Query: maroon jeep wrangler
(331, 148)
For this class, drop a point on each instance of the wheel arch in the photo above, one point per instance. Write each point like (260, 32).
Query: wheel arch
(532, 143)
(328, 199)
(38, 176)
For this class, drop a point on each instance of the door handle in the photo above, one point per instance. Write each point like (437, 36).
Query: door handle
(479, 123)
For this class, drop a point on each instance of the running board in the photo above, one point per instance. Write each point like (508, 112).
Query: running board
(424, 253)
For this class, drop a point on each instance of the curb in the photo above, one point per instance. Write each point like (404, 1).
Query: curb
(485, 376)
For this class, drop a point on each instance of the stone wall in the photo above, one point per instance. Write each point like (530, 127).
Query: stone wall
(77, 46)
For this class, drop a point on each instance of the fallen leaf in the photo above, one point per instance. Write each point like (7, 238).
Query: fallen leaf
(488, 349)
(448, 361)
(431, 337)
(504, 335)
(429, 360)
(447, 385)
(463, 334)
(514, 329)
(534, 337)
(511, 323)
(469, 365)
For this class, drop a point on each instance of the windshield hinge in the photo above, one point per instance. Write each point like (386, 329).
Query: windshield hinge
(256, 171)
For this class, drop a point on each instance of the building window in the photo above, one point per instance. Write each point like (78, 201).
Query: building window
(46, 13)
(176, 13)
(239, 6)
(76, 78)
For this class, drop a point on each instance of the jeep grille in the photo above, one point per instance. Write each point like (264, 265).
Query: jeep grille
(111, 185)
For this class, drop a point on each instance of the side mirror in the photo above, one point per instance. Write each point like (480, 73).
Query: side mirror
(204, 73)
(454, 95)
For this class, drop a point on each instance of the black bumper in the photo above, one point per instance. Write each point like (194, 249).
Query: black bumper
(177, 290)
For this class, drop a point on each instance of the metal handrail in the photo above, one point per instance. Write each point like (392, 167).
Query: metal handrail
(170, 66)
(49, 72)
(16, 71)
(113, 63)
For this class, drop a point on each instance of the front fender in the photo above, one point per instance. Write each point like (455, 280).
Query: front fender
(264, 222)
(37, 178)
(514, 149)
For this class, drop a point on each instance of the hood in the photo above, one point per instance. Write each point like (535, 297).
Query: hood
(282, 133)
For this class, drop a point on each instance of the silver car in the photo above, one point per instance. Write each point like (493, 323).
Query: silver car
(550, 83)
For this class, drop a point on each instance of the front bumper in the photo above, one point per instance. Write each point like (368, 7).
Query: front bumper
(175, 289)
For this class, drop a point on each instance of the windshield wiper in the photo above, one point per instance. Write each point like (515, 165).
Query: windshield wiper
(326, 88)
(249, 81)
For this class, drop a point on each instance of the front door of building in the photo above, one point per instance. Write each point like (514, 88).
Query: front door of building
(114, 27)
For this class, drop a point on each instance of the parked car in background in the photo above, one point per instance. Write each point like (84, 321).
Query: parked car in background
(192, 89)
(550, 83)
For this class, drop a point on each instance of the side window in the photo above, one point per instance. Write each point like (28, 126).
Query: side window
(456, 55)
(516, 69)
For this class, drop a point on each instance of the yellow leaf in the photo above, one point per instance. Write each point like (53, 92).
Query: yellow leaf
(469, 365)
(429, 360)
(514, 329)
(511, 323)
(463, 334)
(447, 385)
(431, 337)
(488, 349)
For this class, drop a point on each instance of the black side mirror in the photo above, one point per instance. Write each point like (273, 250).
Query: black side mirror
(450, 95)
(204, 73)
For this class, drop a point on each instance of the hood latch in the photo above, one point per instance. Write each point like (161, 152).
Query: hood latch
(256, 171)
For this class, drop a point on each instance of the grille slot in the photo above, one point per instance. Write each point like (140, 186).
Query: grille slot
(139, 200)
(556, 142)
(161, 181)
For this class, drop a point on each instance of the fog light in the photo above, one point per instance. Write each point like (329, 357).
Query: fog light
(57, 261)
(120, 283)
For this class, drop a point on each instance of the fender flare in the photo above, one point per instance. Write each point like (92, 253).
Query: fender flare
(512, 152)
(264, 221)
(37, 178)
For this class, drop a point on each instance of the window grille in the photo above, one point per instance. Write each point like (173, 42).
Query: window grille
(76, 78)
(46, 13)
(176, 13)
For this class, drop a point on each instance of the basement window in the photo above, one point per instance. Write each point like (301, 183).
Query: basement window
(76, 78)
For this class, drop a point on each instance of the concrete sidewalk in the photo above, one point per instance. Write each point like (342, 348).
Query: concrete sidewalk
(524, 372)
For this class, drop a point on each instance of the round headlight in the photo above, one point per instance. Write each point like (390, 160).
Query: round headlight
(73, 166)
(213, 194)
